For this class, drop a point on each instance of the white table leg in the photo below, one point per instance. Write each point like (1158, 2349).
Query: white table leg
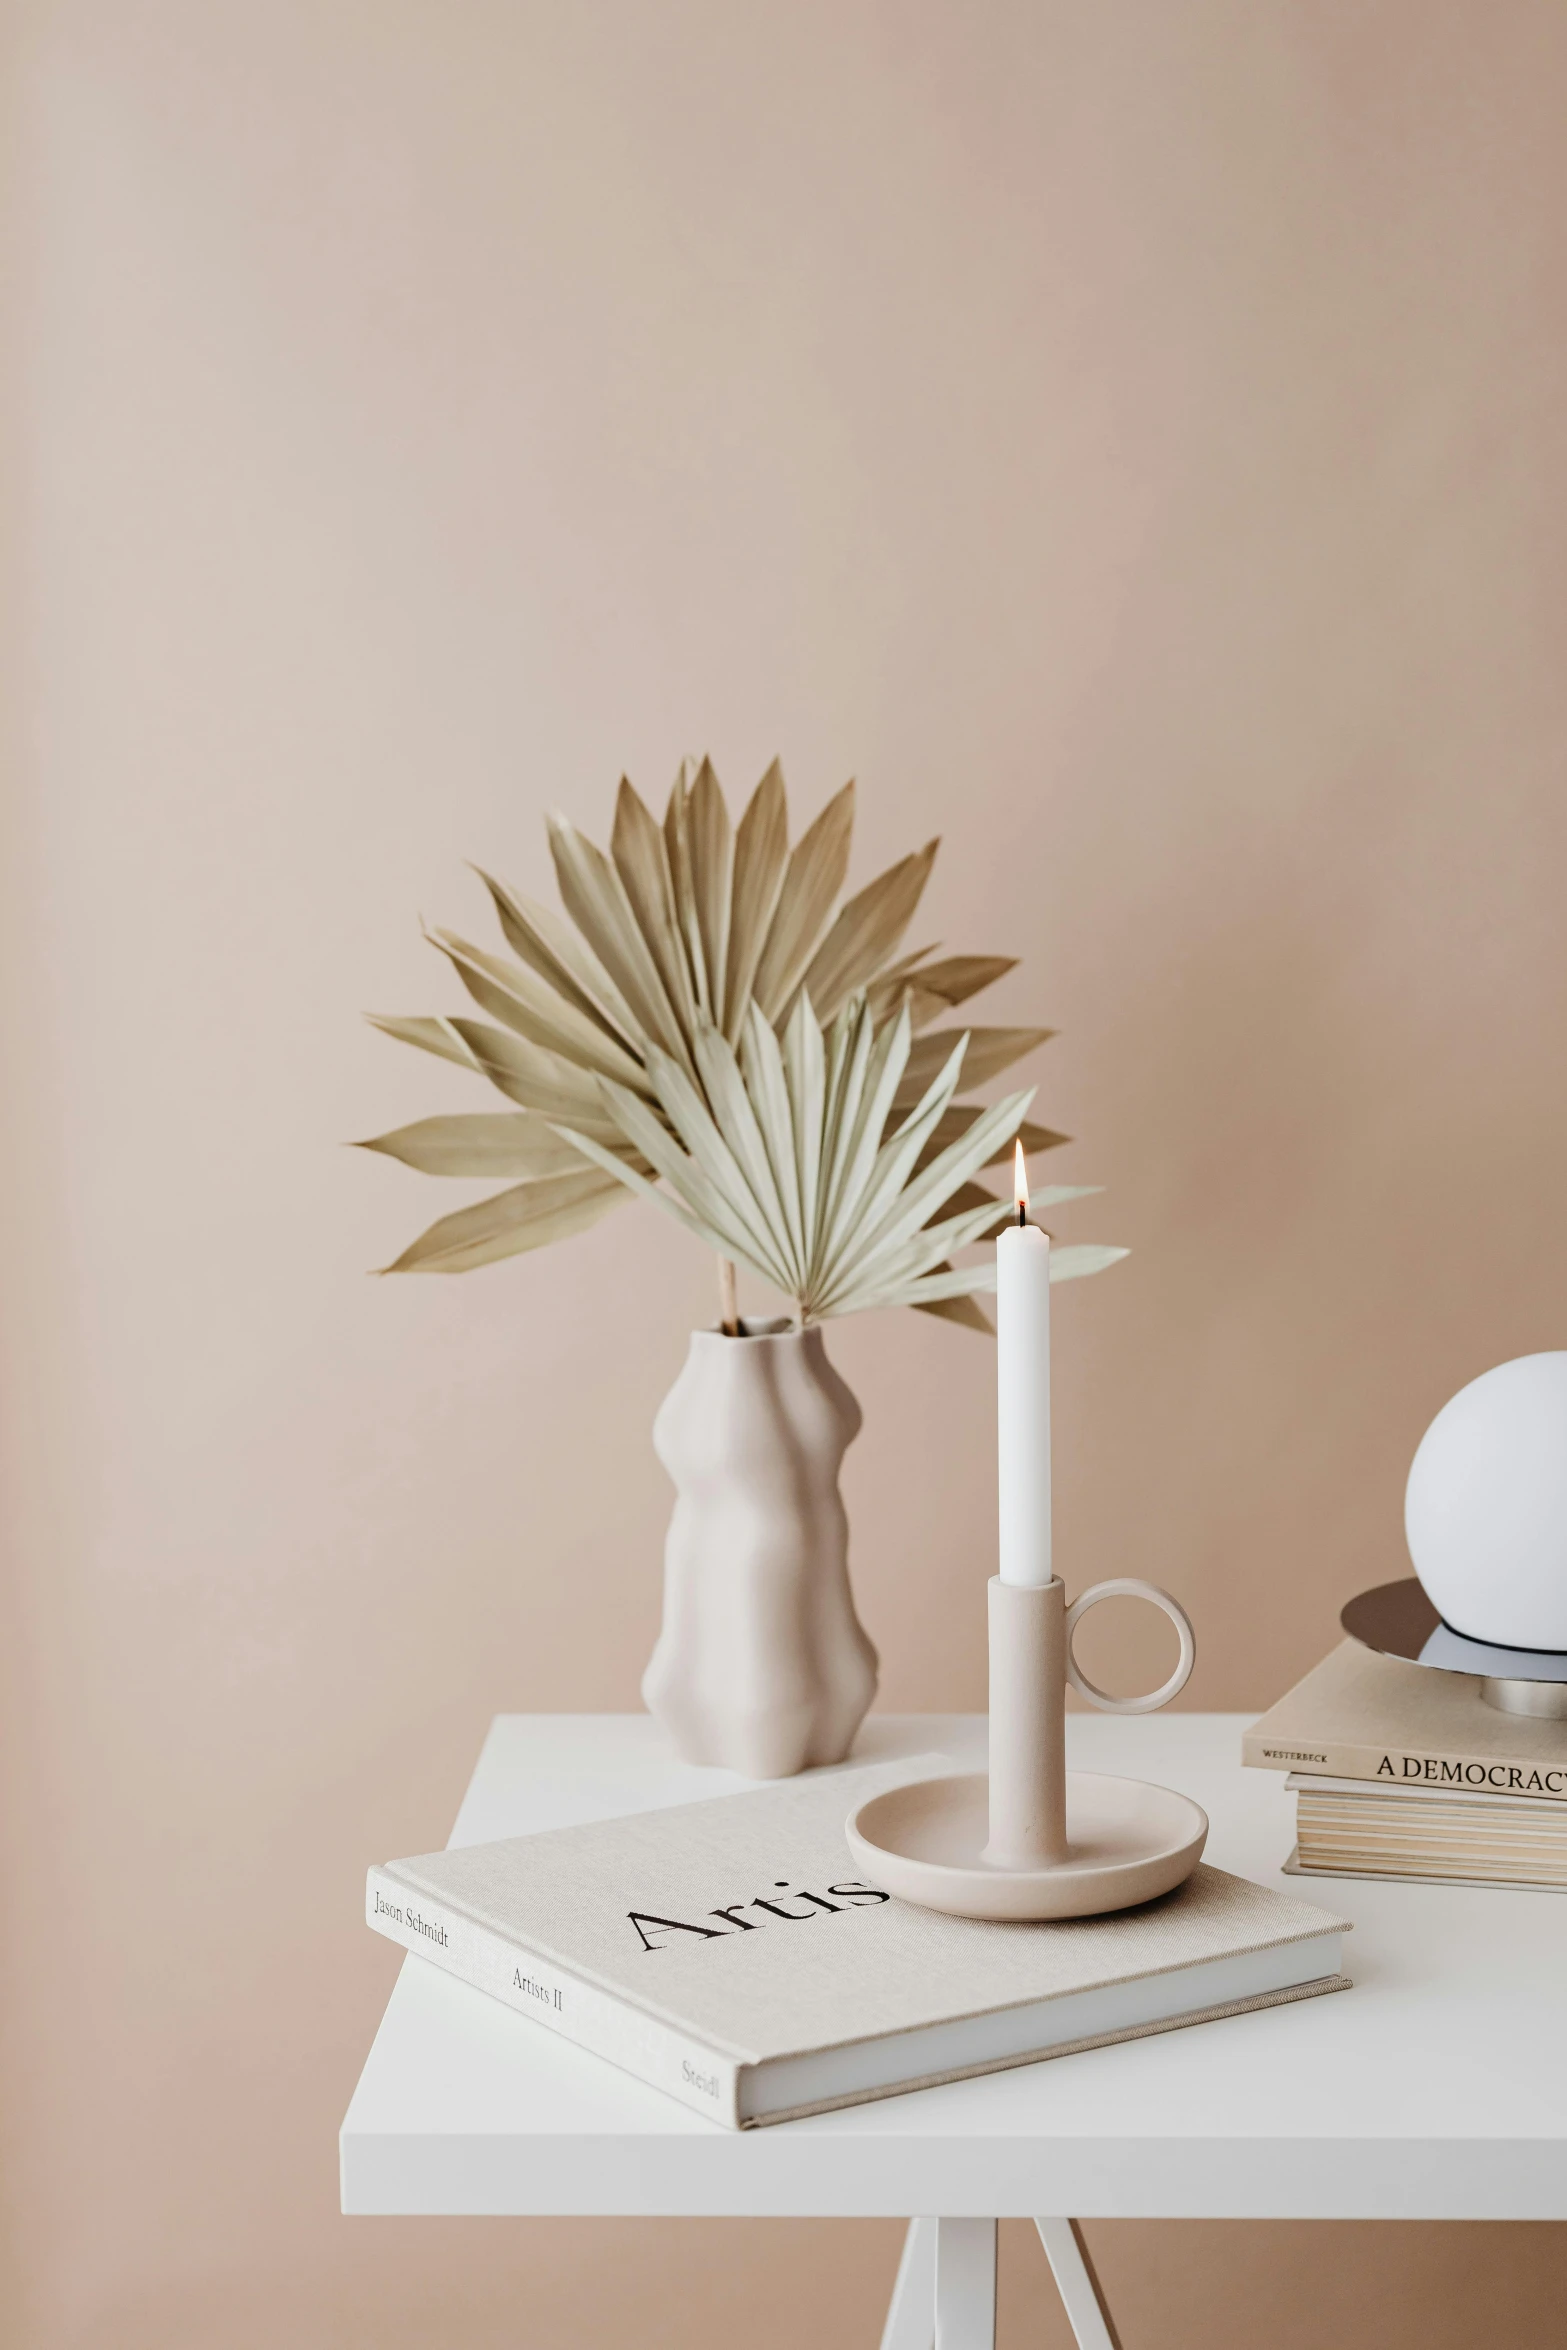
(1077, 2284)
(945, 2295)
(911, 2315)
(965, 2284)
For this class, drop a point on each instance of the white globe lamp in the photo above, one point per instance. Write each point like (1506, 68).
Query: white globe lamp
(1485, 1511)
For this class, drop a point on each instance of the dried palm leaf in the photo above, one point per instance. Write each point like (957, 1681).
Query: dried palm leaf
(706, 1029)
(960, 1117)
(897, 1157)
(766, 1082)
(431, 1036)
(594, 895)
(510, 1222)
(1080, 1258)
(939, 1287)
(867, 931)
(805, 1075)
(990, 1050)
(511, 994)
(957, 977)
(710, 849)
(965, 1310)
(677, 850)
(921, 1006)
(812, 879)
(740, 1129)
(642, 862)
(706, 1193)
(891, 988)
(532, 1079)
(553, 949)
(517, 1143)
(761, 854)
(1066, 1264)
(903, 1245)
(870, 1081)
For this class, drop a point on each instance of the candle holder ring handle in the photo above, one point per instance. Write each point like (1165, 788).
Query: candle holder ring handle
(1128, 1587)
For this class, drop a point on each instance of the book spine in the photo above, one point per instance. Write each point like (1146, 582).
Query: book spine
(1399, 1766)
(553, 1996)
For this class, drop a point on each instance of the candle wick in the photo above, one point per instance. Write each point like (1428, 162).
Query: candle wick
(1022, 1211)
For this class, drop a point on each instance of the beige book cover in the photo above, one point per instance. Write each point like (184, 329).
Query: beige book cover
(729, 1952)
(1362, 1716)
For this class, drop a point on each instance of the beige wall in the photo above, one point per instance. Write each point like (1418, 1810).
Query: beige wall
(1131, 439)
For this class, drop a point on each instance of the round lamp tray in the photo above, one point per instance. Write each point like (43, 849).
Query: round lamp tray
(1397, 1619)
(1129, 1842)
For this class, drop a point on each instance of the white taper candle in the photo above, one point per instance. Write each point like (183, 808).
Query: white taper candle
(1023, 1394)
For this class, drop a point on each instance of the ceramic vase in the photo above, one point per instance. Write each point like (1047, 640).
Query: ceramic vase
(762, 1665)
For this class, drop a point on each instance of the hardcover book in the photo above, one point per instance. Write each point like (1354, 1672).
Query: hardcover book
(727, 1952)
(1362, 1716)
(1362, 1828)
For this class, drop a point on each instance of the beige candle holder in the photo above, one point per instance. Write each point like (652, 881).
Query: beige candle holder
(1031, 1839)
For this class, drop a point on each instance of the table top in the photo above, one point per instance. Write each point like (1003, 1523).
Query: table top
(1435, 2089)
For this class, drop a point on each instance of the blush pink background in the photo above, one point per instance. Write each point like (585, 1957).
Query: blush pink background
(1128, 437)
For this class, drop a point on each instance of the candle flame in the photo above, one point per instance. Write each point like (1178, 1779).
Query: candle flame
(1020, 1183)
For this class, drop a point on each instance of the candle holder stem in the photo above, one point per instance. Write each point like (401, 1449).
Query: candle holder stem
(1027, 1725)
(994, 1844)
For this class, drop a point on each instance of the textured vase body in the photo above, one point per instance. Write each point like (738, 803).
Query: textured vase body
(762, 1665)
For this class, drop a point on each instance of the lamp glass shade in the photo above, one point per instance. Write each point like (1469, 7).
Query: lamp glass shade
(1485, 1511)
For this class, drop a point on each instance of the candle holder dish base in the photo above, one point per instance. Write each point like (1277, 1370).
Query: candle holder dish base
(1128, 1841)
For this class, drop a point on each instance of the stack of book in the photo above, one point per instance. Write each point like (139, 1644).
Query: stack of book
(1401, 1771)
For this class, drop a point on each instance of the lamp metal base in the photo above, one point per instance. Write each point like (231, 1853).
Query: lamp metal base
(1546, 1701)
(1397, 1619)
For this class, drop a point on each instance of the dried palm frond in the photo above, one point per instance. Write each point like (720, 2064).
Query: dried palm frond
(708, 1030)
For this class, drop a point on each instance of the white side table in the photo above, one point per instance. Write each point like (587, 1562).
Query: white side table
(1436, 2089)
